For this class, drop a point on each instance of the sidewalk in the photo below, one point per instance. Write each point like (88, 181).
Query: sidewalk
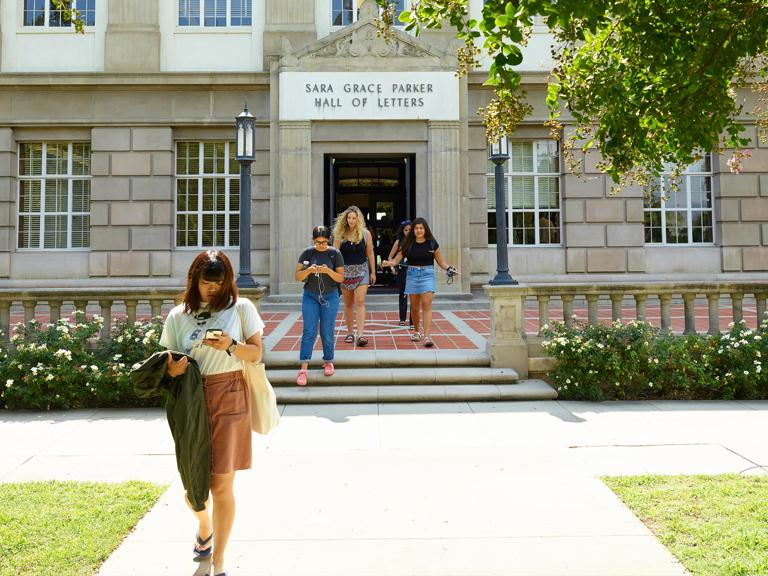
(465, 489)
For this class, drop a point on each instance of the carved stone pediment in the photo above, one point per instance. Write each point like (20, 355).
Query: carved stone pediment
(360, 46)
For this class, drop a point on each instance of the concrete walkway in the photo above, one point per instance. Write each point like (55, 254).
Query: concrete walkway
(429, 489)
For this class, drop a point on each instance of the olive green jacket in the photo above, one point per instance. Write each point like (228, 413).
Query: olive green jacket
(187, 417)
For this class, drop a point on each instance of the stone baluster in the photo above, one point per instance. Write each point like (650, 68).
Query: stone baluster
(106, 313)
(130, 310)
(714, 313)
(666, 316)
(760, 302)
(29, 310)
(5, 318)
(640, 303)
(55, 310)
(157, 307)
(543, 312)
(689, 299)
(567, 308)
(81, 306)
(737, 302)
(616, 306)
(592, 308)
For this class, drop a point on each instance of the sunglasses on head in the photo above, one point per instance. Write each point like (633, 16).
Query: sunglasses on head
(405, 222)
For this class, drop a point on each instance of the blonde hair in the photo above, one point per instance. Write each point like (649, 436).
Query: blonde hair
(342, 232)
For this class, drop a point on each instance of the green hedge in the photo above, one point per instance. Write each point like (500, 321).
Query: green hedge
(636, 361)
(65, 365)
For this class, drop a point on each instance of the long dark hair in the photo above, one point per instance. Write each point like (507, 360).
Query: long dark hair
(400, 234)
(411, 238)
(213, 266)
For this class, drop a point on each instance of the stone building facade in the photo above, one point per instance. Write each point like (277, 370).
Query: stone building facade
(116, 158)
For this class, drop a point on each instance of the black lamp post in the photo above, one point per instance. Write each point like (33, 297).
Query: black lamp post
(498, 154)
(245, 153)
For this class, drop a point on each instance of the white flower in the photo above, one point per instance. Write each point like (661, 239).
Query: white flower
(34, 370)
(65, 353)
(746, 372)
(62, 328)
(655, 360)
(117, 357)
(600, 345)
(650, 384)
(567, 380)
(9, 383)
(49, 377)
(94, 368)
(119, 338)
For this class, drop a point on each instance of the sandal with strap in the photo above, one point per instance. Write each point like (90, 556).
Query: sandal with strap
(362, 341)
(415, 337)
(349, 338)
(428, 342)
(301, 379)
(328, 369)
(200, 552)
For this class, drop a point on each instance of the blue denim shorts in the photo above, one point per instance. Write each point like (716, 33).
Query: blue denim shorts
(420, 280)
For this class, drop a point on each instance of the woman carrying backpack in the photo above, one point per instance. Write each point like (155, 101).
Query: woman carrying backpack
(422, 251)
(355, 243)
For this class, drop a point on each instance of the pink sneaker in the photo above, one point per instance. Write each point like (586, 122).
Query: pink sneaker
(301, 379)
(328, 369)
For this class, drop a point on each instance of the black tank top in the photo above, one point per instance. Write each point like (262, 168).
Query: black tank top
(354, 252)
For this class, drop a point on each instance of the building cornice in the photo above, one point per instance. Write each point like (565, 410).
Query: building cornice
(211, 80)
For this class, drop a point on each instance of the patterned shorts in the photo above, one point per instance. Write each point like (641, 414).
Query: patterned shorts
(355, 275)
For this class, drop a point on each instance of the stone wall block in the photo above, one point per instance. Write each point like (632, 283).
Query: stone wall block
(574, 211)
(606, 260)
(162, 163)
(739, 234)
(153, 188)
(755, 259)
(731, 259)
(152, 139)
(582, 235)
(131, 164)
(109, 238)
(99, 163)
(259, 212)
(758, 162)
(764, 228)
(636, 260)
(608, 210)
(130, 214)
(5, 214)
(728, 209)
(576, 260)
(763, 184)
(99, 214)
(110, 189)
(98, 264)
(110, 139)
(7, 164)
(625, 234)
(160, 264)
(583, 187)
(745, 185)
(635, 210)
(478, 236)
(162, 213)
(5, 265)
(754, 209)
(478, 211)
(129, 264)
(260, 187)
(7, 143)
(151, 238)
(5, 190)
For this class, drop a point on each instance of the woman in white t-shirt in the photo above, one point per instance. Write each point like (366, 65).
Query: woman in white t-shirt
(210, 302)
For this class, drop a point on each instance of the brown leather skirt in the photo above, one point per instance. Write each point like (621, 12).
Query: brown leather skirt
(229, 419)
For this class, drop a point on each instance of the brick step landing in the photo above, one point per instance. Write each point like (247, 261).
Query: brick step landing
(391, 393)
(397, 376)
(373, 358)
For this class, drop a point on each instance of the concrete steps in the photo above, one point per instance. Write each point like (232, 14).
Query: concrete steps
(385, 359)
(381, 302)
(422, 376)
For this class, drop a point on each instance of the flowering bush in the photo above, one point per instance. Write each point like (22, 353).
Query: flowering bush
(65, 365)
(637, 361)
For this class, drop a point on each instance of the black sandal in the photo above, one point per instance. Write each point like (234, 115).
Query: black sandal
(202, 553)
(362, 341)
(349, 339)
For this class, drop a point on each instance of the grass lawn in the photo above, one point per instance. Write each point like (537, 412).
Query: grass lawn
(715, 525)
(67, 527)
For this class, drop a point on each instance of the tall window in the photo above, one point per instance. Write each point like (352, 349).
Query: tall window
(532, 190)
(45, 13)
(682, 216)
(54, 195)
(215, 13)
(345, 12)
(207, 195)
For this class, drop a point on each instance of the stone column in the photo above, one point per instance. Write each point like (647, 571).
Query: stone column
(132, 40)
(293, 20)
(294, 204)
(131, 202)
(8, 183)
(507, 344)
(447, 214)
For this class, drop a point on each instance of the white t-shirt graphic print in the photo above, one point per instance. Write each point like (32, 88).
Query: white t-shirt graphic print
(185, 333)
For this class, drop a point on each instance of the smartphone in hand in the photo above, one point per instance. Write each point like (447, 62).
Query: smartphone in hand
(213, 333)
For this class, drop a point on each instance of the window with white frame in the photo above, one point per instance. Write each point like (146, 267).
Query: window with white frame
(207, 195)
(532, 192)
(215, 13)
(54, 195)
(681, 213)
(44, 13)
(345, 12)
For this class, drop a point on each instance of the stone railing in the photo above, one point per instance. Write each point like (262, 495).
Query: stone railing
(508, 344)
(109, 300)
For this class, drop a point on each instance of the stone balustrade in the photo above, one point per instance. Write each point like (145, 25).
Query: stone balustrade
(126, 300)
(508, 344)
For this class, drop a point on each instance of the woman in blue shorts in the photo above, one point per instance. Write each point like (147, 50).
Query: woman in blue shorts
(422, 251)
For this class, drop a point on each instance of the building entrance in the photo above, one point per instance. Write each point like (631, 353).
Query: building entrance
(382, 187)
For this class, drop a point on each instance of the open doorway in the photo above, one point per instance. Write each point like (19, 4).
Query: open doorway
(382, 187)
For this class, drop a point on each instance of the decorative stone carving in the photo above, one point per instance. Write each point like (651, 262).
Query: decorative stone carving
(365, 42)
